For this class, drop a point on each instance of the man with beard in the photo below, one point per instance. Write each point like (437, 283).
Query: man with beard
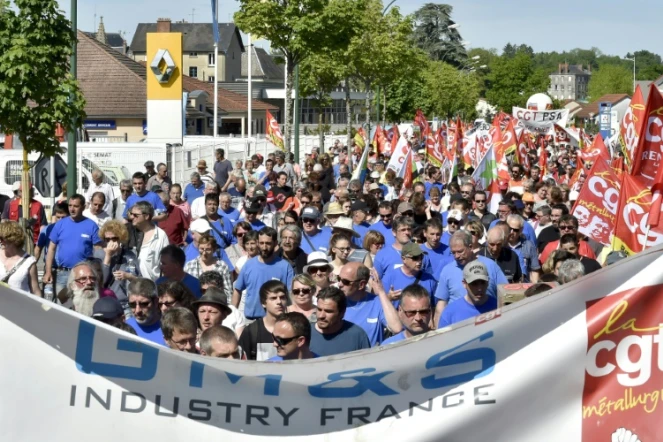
(415, 313)
(179, 329)
(257, 339)
(264, 267)
(82, 288)
(144, 304)
(291, 238)
(332, 334)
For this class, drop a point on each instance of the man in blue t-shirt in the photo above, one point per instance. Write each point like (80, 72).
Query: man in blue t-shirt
(264, 267)
(144, 304)
(142, 194)
(314, 239)
(450, 287)
(411, 272)
(388, 259)
(72, 240)
(292, 337)
(172, 260)
(476, 300)
(333, 335)
(434, 180)
(370, 311)
(60, 212)
(384, 224)
(506, 208)
(194, 189)
(251, 209)
(226, 209)
(439, 254)
(414, 311)
(221, 228)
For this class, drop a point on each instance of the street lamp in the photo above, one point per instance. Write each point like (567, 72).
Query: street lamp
(388, 6)
(633, 60)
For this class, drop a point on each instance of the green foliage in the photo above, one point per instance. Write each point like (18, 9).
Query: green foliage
(448, 92)
(610, 79)
(403, 95)
(647, 65)
(36, 90)
(513, 80)
(511, 50)
(433, 35)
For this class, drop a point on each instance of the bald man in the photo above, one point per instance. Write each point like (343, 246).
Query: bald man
(503, 256)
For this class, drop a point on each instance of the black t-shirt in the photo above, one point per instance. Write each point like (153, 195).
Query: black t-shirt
(299, 262)
(486, 219)
(547, 235)
(591, 265)
(280, 195)
(257, 342)
(420, 219)
(507, 261)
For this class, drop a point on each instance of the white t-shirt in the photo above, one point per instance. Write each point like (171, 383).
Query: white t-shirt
(235, 319)
(104, 188)
(100, 218)
(21, 277)
(148, 258)
(198, 208)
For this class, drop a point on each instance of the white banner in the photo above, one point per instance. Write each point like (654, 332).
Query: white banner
(397, 160)
(571, 365)
(540, 122)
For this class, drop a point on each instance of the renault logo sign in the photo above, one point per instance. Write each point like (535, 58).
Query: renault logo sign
(163, 66)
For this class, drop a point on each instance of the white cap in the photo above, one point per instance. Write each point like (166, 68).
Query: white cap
(200, 226)
(573, 195)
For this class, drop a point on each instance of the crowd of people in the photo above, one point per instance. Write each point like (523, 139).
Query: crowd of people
(271, 261)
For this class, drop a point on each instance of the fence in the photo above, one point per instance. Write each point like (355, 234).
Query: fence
(182, 160)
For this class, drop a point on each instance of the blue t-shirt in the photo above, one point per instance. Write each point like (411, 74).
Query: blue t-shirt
(450, 287)
(191, 253)
(437, 259)
(278, 358)
(528, 230)
(445, 238)
(222, 230)
(232, 215)
(389, 259)
(151, 333)
(367, 314)
(74, 240)
(460, 309)
(386, 231)
(44, 239)
(254, 274)
(150, 197)
(399, 280)
(394, 339)
(320, 241)
(349, 338)
(361, 229)
(191, 192)
(236, 193)
(191, 282)
(256, 225)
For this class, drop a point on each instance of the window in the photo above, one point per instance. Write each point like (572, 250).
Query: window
(570, 78)
(210, 78)
(193, 54)
(210, 59)
(193, 72)
(561, 88)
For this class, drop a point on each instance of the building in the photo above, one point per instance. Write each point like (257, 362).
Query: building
(112, 39)
(198, 48)
(619, 105)
(645, 85)
(570, 82)
(115, 91)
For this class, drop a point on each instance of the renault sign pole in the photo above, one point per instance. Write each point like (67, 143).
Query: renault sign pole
(71, 141)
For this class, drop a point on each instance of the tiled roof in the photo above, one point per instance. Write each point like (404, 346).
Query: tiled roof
(592, 109)
(113, 84)
(263, 65)
(228, 101)
(198, 37)
(113, 39)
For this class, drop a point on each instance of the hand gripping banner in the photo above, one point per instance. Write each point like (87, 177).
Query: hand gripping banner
(581, 363)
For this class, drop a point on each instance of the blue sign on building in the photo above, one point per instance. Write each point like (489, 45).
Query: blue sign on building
(605, 117)
(100, 124)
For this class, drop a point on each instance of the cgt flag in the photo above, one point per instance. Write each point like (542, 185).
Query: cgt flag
(647, 156)
(631, 127)
(274, 132)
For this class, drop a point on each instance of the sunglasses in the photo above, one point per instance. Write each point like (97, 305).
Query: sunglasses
(407, 213)
(416, 258)
(566, 227)
(167, 304)
(480, 201)
(309, 221)
(112, 238)
(314, 270)
(282, 342)
(514, 229)
(453, 221)
(346, 281)
(306, 291)
(413, 313)
(143, 304)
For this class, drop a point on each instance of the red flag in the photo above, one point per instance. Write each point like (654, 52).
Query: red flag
(543, 160)
(521, 156)
(596, 150)
(408, 178)
(647, 156)
(633, 232)
(420, 120)
(598, 202)
(380, 140)
(631, 127)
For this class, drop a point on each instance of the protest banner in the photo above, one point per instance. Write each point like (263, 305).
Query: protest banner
(577, 364)
(647, 156)
(595, 151)
(541, 122)
(274, 132)
(598, 202)
(634, 231)
(631, 126)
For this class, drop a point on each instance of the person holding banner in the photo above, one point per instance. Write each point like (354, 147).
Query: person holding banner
(414, 311)
(292, 338)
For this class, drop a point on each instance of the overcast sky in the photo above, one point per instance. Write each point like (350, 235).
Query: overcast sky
(614, 26)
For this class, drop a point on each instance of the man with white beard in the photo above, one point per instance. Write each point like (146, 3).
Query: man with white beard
(82, 288)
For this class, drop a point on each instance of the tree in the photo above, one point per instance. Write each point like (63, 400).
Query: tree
(647, 65)
(434, 34)
(513, 80)
(36, 90)
(610, 79)
(448, 92)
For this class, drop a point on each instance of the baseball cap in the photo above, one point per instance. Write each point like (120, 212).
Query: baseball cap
(16, 186)
(200, 226)
(455, 214)
(475, 271)
(310, 212)
(259, 191)
(412, 250)
(148, 164)
(374, 186)
(252, 206)
(107, 308)
(614, 257)
(375, 174)
(359, 205)
(404, 207)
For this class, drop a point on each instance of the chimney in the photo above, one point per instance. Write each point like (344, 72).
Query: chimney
(163, 25)
(101, 32)
(580, 67)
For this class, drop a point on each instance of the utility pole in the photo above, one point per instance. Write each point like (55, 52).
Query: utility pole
(296, 115)
(71, 140)
(193, 14)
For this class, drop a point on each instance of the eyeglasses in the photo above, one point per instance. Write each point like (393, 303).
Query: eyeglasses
(465, 192)
(83, 279)
(480, 201)
(282, 342)
(240, 235)
(343, 249)
(135, 214)
(407, 213)
(126, 190)
(515, 171)
(413, 313)
(167, 304)
(306, 291)
(318, 202)
(143, 304)
(416, 258)
(314, 270)
(566, 227)
(379, 245)
(346, 281)
(513, 229)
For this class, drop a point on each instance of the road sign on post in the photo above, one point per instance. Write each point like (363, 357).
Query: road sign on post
(45, 183)
(605, 116)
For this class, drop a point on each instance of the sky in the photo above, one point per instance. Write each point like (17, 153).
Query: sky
(616, 27)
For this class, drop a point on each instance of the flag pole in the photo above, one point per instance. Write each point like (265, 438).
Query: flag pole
(250, 91)
(216, 73)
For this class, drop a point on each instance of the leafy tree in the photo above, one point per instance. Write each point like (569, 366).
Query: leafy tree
(406, 91)
(509, 51)
(433, 34)
(610, 79)
(513, 80)
(647, 65)
(448, 92)
(36, 90)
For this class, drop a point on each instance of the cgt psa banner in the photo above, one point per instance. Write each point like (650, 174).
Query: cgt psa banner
(581, 363)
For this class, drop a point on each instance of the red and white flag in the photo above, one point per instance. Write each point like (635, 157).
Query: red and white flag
(647, 156)
(631, 127)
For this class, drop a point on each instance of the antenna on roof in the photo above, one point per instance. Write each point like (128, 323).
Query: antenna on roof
(95, 19)
(193, 15)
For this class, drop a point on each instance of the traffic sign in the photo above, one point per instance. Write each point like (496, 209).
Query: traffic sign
(605, 115)
(44, 182)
